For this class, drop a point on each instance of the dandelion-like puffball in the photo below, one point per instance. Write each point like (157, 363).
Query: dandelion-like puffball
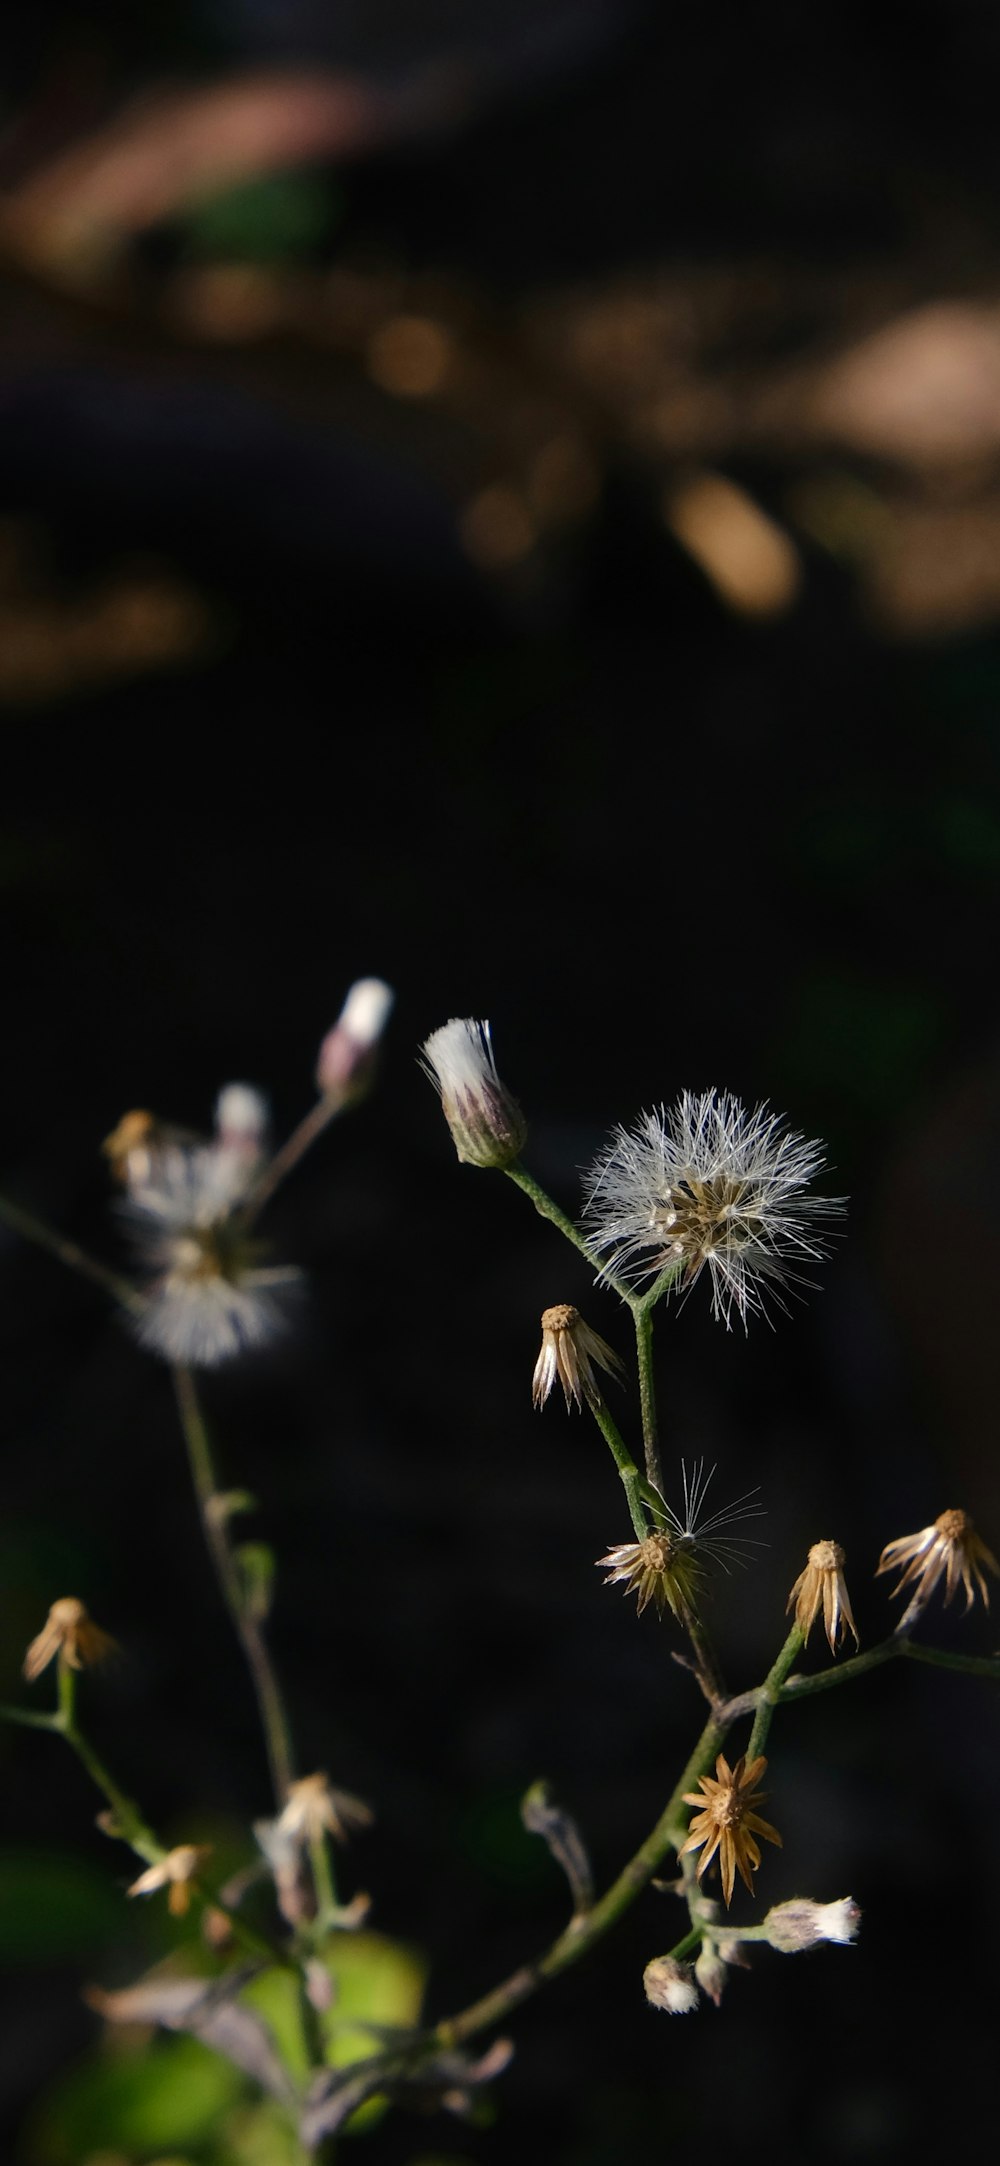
(707, 1185)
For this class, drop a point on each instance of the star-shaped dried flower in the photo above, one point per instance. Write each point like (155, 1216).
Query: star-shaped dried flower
(69, 1632)
(727, 1822)
(176, 1872)
(568, 1353)
(822, 1586)
(950, 1550)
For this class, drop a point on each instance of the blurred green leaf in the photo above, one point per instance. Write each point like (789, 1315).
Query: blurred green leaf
(53, 1908)
(266, 220)
(257, 1566)
(169, 2096)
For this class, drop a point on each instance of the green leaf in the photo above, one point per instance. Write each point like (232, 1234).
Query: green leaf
(53, 1908)
(164, 2098)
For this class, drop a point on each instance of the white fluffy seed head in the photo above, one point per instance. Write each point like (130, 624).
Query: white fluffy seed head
(708, 1185)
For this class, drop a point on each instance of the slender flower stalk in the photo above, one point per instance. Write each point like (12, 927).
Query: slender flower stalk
(247, 1623)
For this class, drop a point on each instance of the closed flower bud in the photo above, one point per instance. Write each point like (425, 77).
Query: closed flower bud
(711, 1973)
(487, 1125)
(800, 1923)
(670, 1985)
(347, 1055)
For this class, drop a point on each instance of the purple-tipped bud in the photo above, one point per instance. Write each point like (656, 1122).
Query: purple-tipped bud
(790, 1927)
(348, 1053)
(487, 1125)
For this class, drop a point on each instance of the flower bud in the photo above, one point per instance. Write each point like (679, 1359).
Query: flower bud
(241, 1116)
(347, 1055)
(799, 1924)
(670, 1985)
(711, 1973)
(487, 1125)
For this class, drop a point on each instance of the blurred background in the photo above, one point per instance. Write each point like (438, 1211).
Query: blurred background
(507, 499)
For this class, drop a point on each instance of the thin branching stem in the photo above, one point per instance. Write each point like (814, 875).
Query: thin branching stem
(248, 1627)
(69, 1253)
(547, 1207)
(301, 1140)
(642, 1315)
(625, 1463)
(769, 1693)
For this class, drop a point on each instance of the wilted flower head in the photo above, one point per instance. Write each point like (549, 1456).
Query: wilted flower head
(176, 1872)
(208, 1297)
(800, 1923)
(950, 1550)
(727, 1822)
(347, 1056)
(71, 1633)
(568, 1353)
(487, 1125)
(707, 1185)
(669, 1566)
(822, 1586)
(315, 1808)
(670, 1985)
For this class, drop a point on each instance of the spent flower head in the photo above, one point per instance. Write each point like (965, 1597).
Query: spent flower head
(208, 1295)
(487, 1125)
(950, 1550)
(670, 1565)
(707, 1185)
(821, 1586)
(69, 1632)
(176, 1871)
(728, 1823)
(569, 1352)
(314, 1808)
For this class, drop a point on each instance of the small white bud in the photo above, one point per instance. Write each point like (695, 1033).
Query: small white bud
(241, 1117)
(799, 1924)
(347, 1054)
(670, 1985)
(487, 1125)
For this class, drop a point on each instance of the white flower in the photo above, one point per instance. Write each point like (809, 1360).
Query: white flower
(708, 1185)
(670, 1985)
(801, 1923)
(487, 1125)
(208, 1298)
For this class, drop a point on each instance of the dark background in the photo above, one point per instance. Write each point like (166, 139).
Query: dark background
(659, 839)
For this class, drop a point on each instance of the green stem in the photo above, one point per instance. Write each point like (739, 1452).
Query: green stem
(938, 1658)
(642, 1314)
(248, 1627)
(625, 1463)
(129, 1825)
(769, 1693)
(76, 1259)
(548, 1208)
(581, 1934)
(323, 1881)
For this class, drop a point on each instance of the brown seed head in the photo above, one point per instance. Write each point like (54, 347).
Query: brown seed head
(822, 1587)
(727, 1822)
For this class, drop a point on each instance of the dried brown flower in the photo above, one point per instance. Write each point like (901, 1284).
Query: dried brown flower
(569, 1350)
(314, 1808)
(822, 1586)
(727, 1822)
(174, 1871)
(950, 1550)
(70, 1633)
(661, 1569)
